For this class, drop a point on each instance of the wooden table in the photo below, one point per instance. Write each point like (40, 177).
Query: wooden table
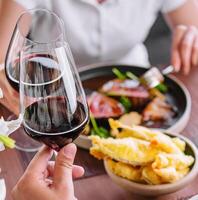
(96, 185)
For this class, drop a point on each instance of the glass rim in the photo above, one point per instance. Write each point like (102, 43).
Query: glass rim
(47, 11)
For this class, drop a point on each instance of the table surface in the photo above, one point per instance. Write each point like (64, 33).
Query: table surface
(94, 184)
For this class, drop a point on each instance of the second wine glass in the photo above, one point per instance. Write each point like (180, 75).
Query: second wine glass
(39, 26)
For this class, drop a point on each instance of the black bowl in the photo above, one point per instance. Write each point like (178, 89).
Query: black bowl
(94, 76)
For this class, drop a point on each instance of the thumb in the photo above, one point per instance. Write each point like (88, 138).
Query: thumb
(63, 167)
(176, 60)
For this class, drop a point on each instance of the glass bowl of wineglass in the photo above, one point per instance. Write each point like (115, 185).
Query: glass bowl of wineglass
(52, 101)
(33, 26)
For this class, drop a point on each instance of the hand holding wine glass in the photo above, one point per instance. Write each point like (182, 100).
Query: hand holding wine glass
(60, 184)
(54, 110)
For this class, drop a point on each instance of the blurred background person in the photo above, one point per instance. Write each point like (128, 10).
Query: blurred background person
(113, 30)
(100, 31)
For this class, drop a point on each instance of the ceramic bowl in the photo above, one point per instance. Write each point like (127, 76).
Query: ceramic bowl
(156, 190)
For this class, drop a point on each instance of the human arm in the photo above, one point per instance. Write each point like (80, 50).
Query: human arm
(9, 14)
(184, 24)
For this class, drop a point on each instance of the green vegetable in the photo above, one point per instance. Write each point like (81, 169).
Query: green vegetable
(162, 87)
(119, 74)
(100, 131)
(132, 76)
(94, 124)
(93, 132)
(125, 101)
(8, 142)
(104, 130)
(122, 76)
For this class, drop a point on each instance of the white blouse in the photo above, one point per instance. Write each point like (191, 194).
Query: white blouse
(112, 31)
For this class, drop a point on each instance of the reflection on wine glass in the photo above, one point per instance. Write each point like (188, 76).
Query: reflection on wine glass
(33, 26)
(52, 100)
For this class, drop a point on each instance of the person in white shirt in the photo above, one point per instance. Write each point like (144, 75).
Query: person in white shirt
(114, 30)
(109, 30)
(101, 31)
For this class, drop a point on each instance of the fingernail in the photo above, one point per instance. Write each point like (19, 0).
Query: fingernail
(176, 65)
(176, 69)
(182, 27)
(186, 72)
(70, 150)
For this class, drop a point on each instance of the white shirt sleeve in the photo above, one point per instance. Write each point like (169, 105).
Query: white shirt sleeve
(170, 5)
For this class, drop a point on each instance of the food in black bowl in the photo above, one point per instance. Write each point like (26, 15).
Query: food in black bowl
(166, 107)
(124, 97)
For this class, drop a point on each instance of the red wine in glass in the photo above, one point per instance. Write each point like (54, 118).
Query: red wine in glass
(54, 129)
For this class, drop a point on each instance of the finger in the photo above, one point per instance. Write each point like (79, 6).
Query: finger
(49, 170)
(63, 167)
(176, 61)
(77, 171)
(195, 52)
(48, 182)
(177, 38)
(39, 163)
(186, 49)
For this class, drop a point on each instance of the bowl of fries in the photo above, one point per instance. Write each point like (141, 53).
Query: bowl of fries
(145, 161)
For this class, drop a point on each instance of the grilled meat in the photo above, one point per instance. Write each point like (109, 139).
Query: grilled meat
(132, 89)
(158, 110)
(102, 106)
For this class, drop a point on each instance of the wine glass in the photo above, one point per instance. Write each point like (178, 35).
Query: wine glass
(33, 26)
(52, 101)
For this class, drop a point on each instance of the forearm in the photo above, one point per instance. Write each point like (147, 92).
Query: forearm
(187, 14)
